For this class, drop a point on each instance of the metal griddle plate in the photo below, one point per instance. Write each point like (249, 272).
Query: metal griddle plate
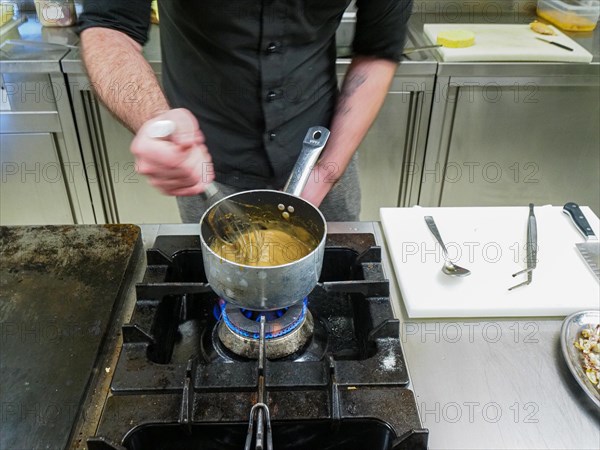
(58, 288)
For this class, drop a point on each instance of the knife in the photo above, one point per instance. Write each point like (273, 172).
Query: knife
(589, 250)
(558, 44)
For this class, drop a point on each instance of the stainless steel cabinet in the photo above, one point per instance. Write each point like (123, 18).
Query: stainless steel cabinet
(392, 150)
(512, 141)
(33, 190)
(43, 179)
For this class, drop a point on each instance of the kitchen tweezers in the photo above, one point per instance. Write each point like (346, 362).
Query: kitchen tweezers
(531, 250)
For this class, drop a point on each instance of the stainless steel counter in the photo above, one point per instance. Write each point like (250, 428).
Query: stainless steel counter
(418, 63)
(31, 58)
(425, 63)
(484, 383)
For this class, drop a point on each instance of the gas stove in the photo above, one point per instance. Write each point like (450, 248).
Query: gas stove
(325, 373)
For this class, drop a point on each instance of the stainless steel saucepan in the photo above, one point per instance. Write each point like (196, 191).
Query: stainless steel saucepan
(264, 288)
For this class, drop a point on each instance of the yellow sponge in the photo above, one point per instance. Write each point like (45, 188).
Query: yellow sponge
(154, 12)
(456, 38)
(6, 12)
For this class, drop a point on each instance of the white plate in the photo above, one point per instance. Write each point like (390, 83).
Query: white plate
(569, 333)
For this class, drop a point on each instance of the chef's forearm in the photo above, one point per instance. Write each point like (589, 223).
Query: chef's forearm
(121, 76)
(363, 92)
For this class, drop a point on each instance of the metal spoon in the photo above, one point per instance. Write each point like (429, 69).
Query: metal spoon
(449, 268)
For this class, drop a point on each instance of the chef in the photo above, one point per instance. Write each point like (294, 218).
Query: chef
(243, 80)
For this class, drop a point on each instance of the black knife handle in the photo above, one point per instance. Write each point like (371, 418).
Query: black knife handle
(575, 213)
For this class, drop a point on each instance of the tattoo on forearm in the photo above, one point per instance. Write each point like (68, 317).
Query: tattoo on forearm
(351, 84)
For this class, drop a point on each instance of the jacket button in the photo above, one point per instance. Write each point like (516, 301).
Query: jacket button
(273, 47)
(272, 135)
(271, 96)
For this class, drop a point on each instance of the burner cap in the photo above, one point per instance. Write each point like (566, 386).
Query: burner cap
(286, 330)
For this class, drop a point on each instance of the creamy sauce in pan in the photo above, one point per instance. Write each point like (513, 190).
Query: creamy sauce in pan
(275, 245)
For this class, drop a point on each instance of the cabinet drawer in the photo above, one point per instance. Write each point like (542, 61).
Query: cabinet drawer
(29, 92)
(33, 188)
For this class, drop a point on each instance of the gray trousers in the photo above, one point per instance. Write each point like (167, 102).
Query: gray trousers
(342, 204)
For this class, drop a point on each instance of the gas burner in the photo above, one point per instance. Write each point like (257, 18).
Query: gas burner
(286, 331)
(194, 354)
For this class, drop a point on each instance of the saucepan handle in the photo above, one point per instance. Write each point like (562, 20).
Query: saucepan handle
(313, 144)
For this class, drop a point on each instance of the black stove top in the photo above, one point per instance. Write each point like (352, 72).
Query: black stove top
(176, 386)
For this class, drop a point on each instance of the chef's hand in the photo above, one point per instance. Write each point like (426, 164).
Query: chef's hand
(178, 164)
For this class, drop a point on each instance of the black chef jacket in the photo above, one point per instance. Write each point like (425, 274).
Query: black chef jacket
(256, 73)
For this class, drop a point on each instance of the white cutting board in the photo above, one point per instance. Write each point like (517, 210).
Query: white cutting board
(499, 42)
(562, 282)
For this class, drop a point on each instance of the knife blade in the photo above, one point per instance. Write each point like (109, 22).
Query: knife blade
(558, 44)
(589, 250)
